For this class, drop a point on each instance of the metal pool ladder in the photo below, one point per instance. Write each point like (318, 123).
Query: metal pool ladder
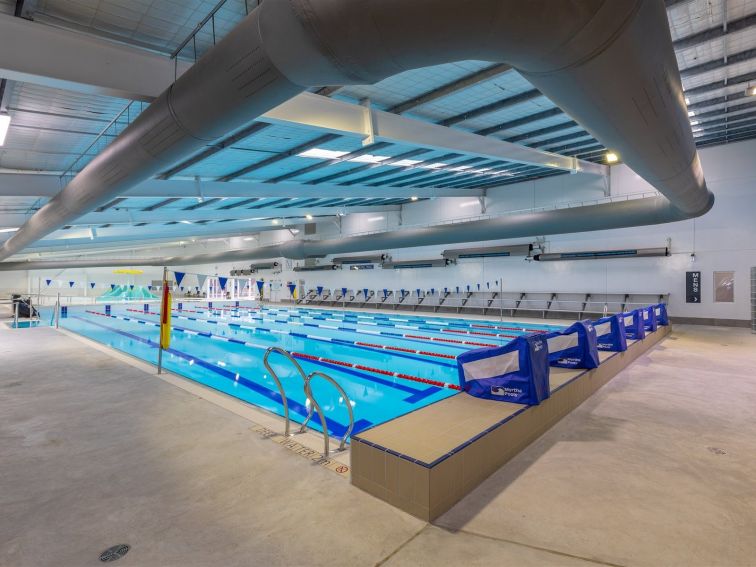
(314, 406)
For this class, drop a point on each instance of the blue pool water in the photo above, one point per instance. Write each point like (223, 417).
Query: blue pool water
(224, 348)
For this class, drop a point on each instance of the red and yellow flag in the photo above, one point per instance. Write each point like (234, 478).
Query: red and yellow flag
(165, 317)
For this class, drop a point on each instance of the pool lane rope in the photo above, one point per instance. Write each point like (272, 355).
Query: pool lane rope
(331, 327)
(300, 355)
(391, 325)
(386, 318)
(313, 337)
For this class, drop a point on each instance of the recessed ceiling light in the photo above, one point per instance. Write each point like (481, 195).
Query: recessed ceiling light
(611, 157)
(275, 221)
(414, 198)
(308, 217)
(691, 113)
(322, 154)
(694, 122)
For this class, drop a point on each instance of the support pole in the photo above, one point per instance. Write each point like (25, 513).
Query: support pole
(57, 312)
(162, 315)
(501, 299)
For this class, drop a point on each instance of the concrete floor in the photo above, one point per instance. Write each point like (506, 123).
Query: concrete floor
(657, 468)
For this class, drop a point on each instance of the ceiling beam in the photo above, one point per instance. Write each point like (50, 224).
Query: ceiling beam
(133, 216)
(346, 118)
(38, 185)
(82, 63)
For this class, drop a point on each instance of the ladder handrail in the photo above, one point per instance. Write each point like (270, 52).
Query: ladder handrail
(314, 406)
(277, 380)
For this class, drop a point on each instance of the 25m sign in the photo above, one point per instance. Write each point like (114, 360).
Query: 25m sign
(692, 287)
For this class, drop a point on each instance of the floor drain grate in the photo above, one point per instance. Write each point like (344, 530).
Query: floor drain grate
(114, 553)
(717, 450)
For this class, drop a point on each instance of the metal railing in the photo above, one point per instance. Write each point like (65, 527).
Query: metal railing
(103, 139)
(314, 406)
(215, 25)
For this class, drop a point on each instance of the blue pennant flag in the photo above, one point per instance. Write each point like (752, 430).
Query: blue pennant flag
(418, 292)
(149, 287)
(468, 287)
(112, 287)
(71, 284)
(385, 293)
(180, 277)
(292, 287)
(320, 289)
(131, 286)
(222, 282)
(433, 291)
(457, 289)
(488, 285)
(92, 284)
(48, 282)
(260, 284)
(478, 287)
(365, 291)
(181, 288)
(343, 291)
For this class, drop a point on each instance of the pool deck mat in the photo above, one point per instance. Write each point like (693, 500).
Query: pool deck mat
(426, 461)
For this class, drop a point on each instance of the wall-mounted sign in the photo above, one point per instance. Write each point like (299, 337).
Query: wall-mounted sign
(724, 287)
(692, 287)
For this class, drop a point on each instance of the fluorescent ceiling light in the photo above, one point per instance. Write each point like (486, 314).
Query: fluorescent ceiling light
(275, 221)
(691, 113)
(375, 219)
(406, 162)
(322, 154)
(249, 238)
(8, 229)
(611, 157)
(469, 204)
(687, 100)
(414, 198)
(185, 222)
(694, 122)
(368, 158)
(308, 217)
(4, 125)
(436, 165)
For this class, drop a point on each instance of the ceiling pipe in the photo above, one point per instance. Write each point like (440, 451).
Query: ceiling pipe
(607, 63)
(636, 212)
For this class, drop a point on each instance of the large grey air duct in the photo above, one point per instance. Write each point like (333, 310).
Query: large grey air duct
(607, 63)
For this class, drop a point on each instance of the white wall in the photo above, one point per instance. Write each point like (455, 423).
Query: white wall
(725, 239)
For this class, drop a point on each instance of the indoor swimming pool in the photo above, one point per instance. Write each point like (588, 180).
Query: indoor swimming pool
(388, 364)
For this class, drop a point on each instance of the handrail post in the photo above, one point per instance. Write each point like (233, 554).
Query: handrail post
(277, 380)
(15, 321)
(314, 406)
(57, 312)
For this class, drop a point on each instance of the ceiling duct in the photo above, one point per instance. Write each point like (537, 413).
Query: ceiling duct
(319, 268)
(489, 252)
(351, 260)
(603, 254)
(414, 264)
(254, 268)
(608, 64)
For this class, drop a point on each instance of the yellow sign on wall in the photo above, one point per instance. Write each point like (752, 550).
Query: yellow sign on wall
(129, 271)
